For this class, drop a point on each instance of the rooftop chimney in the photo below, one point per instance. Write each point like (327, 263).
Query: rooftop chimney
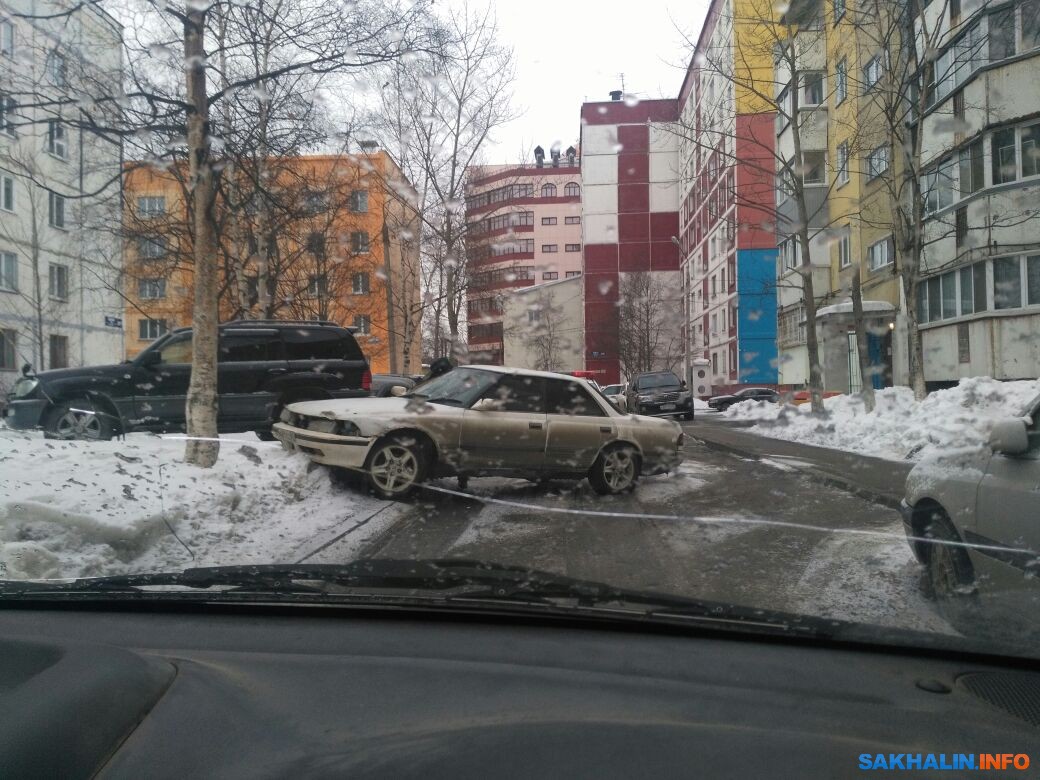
(539, 156)
(615, 95)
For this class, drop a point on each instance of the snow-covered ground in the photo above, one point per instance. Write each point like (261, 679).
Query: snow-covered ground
(899, 427)
(71, 509)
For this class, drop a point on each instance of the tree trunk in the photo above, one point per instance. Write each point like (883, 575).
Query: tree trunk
(391, 331)
(866, 371)
(913, 337)
(202, 448)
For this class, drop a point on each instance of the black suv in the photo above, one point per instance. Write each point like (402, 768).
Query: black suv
(723, 402)
(659, 394)
(263, 365)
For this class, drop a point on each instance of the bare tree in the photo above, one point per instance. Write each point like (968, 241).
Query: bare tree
(649, 338)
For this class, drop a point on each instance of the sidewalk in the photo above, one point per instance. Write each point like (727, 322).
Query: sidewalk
(876, 479)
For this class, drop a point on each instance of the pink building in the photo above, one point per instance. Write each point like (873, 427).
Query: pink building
(523, 229)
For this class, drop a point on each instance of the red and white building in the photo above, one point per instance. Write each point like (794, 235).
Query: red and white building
(523, 229)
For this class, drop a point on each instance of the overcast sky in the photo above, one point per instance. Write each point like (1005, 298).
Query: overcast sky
(567, 53)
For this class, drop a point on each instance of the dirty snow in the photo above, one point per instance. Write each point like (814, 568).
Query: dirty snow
(73, 509)
(899, 427)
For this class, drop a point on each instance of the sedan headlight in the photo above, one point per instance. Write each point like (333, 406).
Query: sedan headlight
(321, 425)
(25, 386)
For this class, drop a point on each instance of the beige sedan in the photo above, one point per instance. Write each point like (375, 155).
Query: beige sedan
(484, 421)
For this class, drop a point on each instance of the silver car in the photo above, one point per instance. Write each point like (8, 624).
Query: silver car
(982, 506)
(484, 420)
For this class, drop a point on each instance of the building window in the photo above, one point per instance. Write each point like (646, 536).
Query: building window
(812, 88)
(814, 168)
(550, 275)
(550, 248)
(938, 186)
(872, 73)
(877, 162)
(58, 281)
(149, 206)
(151, 289)
(534, 316)
(843, 162)
(967, 293)
(317, 285)
(960, 227)
(880, 254)
(151, 248)
(6, 192)
(841, 82)
(548, 220)
(1031, 150)
(1007, 283)
(715, 363)
(845, 250)
(8, 108)
(360, 283)
(9, 349)
(359, 242)
(9, 271)
(1005, 163)
(316, 243)
(839, 10)
(7, 38)
(59, 351)
(973, 168)
(1030, 25)
(1033, 279)
(57, 143)
(571, 190)
(548, 190)
(525, 218)
(57, 69)
(572, 274)
(572, 247)
(1002, 34)
(363, 324)
(56, 210)
(572, 220)
(150, 330)
(359, 201)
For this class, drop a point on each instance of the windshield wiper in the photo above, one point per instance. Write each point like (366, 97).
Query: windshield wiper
(457, 582)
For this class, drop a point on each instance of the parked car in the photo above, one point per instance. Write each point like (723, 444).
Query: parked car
(721, 403)
(484, 420)
(981, 506)
(659, 394)
(616, 395)
(383, 384)
(263, 365)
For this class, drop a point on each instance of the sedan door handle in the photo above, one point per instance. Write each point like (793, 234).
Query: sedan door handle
(534, 425)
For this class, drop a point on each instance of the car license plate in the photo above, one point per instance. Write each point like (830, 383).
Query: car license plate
(667, 407)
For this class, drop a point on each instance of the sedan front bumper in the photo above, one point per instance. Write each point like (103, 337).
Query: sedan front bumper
(670, 409)
(330, 449)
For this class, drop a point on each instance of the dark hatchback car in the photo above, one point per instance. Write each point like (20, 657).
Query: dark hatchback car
(659, 394)
(722, 402)
(263, 365)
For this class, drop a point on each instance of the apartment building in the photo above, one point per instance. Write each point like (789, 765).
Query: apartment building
(979, 301)
(523, 229)
(60, 257)
(337, 244)
(726, 198)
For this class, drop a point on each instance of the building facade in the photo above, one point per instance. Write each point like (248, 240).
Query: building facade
(630, 221)
(335, 242)
(727, 200)
(60, 256)
(523, 229)
(542, 326)
(979, 299)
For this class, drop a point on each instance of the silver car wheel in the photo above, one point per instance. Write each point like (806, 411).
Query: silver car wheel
(75, 424)
(394, 469)
(619, 469)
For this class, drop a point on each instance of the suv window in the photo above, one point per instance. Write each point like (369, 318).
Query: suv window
(520, 394)
(249, 347)
(571, 398)
(651, 381)
(177, 350)
(320, 344)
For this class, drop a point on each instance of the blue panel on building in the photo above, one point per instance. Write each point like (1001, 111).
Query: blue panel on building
(756, 321)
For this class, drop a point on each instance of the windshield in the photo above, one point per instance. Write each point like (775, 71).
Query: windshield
(367, 249)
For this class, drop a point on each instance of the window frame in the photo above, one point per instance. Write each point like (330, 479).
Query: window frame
(7, 188)
(52, 340)
(56, 211)
(572, 190)
(57, 281)
(874, 173)
(7, 42)
(144, 328)
(362, 324)
(548, 190)
(147, 285)
(8, 261)
(889, 254)
(8, 349)
(57, 140)
(365, 286)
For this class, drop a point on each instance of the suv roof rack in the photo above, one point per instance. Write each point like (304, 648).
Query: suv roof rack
(251, 323)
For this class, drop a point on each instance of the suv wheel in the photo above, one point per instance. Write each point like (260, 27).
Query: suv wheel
(77, 419)
(396, 466)
(615, 471)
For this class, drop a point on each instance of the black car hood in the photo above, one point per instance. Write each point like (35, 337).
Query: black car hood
(109, 372)
(721, 398)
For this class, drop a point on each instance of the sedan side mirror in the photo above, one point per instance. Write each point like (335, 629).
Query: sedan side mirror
(1009, 437)
(398, 390)
(486, 405)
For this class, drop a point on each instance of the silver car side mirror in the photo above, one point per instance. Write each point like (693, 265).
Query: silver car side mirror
(398, 390)
(1009, 437)
(486, 405)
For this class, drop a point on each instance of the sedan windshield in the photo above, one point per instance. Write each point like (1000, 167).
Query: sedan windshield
(460, 387)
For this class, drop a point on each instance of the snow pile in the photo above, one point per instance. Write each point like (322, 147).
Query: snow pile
(699, 405)
(899, 427)
(74, 509)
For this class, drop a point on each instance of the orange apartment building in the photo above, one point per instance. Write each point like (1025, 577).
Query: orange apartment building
(331, 240)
